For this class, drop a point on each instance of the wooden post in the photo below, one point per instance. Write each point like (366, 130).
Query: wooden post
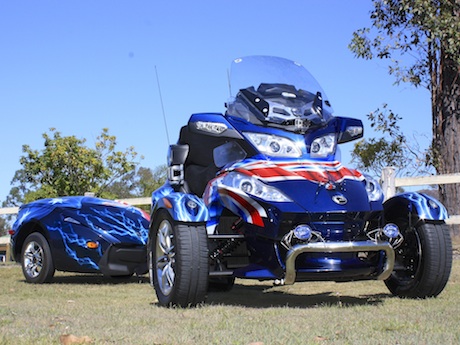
(388, 182)
(8, 256)
(5, 247)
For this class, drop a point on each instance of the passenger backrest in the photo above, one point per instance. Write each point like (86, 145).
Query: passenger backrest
(199, 166)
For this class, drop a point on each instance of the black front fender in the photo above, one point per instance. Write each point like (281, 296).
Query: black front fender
(415, 206)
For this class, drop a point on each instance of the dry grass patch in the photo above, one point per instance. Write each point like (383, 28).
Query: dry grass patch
(106, 311)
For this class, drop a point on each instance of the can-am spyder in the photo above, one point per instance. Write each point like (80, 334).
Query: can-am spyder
(259, 193)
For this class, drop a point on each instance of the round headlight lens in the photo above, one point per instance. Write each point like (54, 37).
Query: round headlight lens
(315, 147)
(246, 186)
(275, 147)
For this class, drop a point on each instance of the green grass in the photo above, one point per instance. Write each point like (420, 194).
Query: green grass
(125, 312)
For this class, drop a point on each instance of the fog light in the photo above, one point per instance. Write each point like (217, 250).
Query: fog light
(391, 230)
(302, 232)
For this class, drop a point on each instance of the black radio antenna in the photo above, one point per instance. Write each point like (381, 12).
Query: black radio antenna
(229, 83)
(162, 106)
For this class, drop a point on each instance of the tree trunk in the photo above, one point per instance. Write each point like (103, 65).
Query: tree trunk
(446, 130)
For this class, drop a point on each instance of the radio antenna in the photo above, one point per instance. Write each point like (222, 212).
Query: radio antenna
(162, 106)
(229, 83)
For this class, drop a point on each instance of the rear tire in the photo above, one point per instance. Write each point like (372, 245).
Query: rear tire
(36, 259)
(423, 261)
(178, 262)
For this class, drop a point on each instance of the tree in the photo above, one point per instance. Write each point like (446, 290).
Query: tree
(149, 180)
(138, 183)
(392, 148)
(421, 41)
(373, 154)
(66, 166)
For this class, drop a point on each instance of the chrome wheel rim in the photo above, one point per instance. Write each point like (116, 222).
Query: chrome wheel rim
(165, 258)
(33, 259)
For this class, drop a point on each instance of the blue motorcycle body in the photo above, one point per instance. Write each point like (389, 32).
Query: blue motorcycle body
(266, 182)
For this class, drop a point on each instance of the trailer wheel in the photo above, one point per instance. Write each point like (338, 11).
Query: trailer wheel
(36, 259)
(423, 261)
(178, 262)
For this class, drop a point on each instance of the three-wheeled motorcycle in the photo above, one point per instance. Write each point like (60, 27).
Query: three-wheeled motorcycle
(260, 193)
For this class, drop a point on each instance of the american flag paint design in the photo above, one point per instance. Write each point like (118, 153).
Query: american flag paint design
(319, 172)
(243, 204)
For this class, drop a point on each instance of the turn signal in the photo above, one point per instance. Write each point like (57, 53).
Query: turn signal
(92, 245)
(167, 203)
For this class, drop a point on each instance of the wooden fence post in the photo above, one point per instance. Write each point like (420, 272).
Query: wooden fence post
(388, 182)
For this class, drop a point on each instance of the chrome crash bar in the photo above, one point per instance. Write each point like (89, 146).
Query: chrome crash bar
(339, 247)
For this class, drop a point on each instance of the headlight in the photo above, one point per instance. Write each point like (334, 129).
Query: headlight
(273, 145)
(323, 146)
(374, 192)
(252, 186)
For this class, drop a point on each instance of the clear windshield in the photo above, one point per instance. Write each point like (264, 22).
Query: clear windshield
(256, 70)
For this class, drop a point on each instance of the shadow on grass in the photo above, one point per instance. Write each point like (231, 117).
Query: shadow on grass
(257, 296)
(96, 279)
(247, 295)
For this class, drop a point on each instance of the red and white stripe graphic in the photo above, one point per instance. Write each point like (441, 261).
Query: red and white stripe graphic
(234, 199)
(319, 172)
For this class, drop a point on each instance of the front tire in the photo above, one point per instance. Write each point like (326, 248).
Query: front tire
(423, 261)
(36, 259)
(178, 262)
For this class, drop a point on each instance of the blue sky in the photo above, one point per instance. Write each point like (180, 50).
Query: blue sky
(80, 66)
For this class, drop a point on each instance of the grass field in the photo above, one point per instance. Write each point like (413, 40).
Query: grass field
(104, 311)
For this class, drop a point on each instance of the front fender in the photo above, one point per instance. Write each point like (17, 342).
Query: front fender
(418, 205)
(182, 207)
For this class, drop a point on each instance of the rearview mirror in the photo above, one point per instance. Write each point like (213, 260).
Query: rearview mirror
(349, 129)
(177, 154)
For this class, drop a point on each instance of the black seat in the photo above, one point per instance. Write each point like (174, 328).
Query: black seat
(199, 167)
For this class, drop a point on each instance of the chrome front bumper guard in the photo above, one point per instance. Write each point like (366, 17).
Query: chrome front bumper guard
(339, 247)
